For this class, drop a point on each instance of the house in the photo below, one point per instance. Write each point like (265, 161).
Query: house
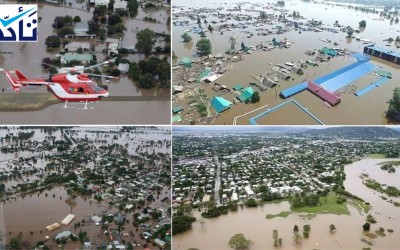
(82, 58)
(96, 219)
(64, 235)
(176, 110)
(120, 5)
(101, 2)
(81, 28)
(246, 95)
(220, 104)
(123, 68)
(186, 62)
(74, 46)
(159, 242)
(119, 218)
(177, 89)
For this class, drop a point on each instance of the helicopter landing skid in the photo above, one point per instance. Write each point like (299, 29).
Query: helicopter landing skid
(70, 107)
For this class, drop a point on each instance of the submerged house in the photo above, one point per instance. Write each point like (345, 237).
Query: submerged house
(186, 62)
(384, 53)
(220, 104)
(247, 94)
(325, 95)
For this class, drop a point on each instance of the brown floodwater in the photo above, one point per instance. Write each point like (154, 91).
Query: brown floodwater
(252, 222)
(24, 55)
(352, 108)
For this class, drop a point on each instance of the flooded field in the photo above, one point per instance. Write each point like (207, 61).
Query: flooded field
(349, 111)
(253, 224)
(27, 57)
(26, 212)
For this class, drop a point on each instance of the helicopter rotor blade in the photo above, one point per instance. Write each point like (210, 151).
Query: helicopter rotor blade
(112, 77)
(100, 64)
(50, 65)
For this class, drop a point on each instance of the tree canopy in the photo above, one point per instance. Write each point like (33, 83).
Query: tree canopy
(239, 241)
(204, 46)
(145, 41)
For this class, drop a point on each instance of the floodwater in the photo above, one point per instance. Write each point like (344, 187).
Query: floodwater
(352, 108)
(31, 213)
(25, 56)
(253, 224)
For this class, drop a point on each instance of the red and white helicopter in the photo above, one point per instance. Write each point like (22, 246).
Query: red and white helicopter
(67, 87)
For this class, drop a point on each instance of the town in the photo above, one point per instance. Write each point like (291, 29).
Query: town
(83, 187)
(214, 172)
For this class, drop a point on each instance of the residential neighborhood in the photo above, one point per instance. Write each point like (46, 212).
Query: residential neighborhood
(97, 188)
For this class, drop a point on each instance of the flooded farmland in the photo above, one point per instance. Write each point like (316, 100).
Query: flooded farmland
(349, 111)
(253, 224)
(27, 57)
(42, 181)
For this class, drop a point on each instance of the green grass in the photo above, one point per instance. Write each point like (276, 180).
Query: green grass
(328, 205)
(283, 214)
(359, 205)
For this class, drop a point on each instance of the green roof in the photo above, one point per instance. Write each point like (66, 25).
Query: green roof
(186, 62)
(203, 74)
(384, 73)
(78, 57)
(176, 118)
(177, 109)
(246, 95)
(328, 51)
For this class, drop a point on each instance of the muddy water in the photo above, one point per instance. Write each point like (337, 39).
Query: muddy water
(349, 111)
(253, 224)
(140, 112)
(24, 55)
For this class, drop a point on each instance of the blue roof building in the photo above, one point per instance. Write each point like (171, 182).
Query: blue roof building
(220, 104)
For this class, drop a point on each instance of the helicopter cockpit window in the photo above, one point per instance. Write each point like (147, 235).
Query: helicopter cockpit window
(95, 87)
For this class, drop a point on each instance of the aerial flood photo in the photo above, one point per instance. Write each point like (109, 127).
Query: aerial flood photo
(285, 187)
(94, 62)
(293, 62)
(85, 187)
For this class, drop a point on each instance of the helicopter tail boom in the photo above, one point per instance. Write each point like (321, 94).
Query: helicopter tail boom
(14, 82)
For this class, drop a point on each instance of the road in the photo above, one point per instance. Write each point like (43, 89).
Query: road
(217, 181)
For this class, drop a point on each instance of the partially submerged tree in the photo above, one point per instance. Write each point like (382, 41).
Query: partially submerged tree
(204, 47)
(186, 37)
(239, 241)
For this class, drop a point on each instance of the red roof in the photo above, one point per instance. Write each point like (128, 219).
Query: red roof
(325, 95)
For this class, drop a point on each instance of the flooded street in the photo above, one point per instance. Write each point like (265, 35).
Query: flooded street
(349, 111)
(27, 57)
(253, 224)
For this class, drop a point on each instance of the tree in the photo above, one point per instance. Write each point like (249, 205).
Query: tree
(133, 72)
(255, 97)
(210, 28)
(114, 19)
(297, 237)
(65, 31)
(306, 231)
(232, 43)
(251, 203)
(204, 47)
(277, 240)
(332, 228)
(362, 24)
(263, 15)
(129, 245)
(77, 19)
(295, 228)
(239, 241)
(15, 242)
(53, 42)
(394, 103)
(145, 41)
(366, 226)
(186, 37)
(350, 32)
(147, 81)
